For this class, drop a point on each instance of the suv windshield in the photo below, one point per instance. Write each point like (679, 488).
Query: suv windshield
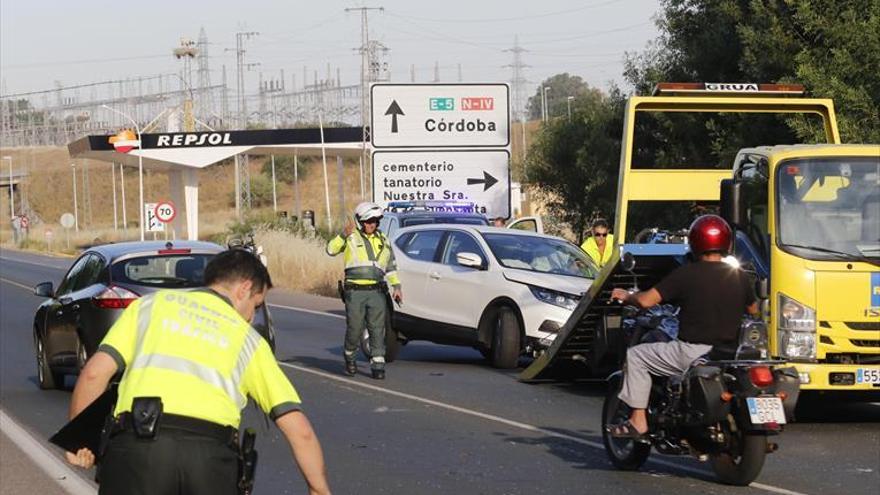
(540, 254)
(162, 271)
(462, 220)
(830, 208)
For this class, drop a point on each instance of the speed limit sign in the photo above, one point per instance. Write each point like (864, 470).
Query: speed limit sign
(165, 211)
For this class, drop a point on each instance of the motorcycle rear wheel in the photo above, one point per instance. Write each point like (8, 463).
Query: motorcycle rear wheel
(741, 469)
(625, 454)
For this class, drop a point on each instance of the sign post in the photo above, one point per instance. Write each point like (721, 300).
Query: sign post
(67, 221)
(165, 213)
(442, 142)
(151, 220)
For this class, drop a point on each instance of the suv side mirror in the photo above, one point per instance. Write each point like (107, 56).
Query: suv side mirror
(762, 288)
(470, 260)
(44, 289)
(731, 204)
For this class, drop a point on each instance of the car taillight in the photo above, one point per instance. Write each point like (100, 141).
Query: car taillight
(114, 297)
(761, 376)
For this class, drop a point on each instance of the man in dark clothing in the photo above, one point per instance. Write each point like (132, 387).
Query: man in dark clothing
(712, 296)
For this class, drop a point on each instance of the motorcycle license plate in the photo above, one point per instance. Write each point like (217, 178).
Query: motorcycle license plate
(764, 410)
(868, 375)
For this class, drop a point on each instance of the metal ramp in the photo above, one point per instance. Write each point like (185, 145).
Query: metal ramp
(590, 344)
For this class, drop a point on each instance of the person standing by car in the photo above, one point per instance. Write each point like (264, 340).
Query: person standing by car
(369, 261)
(712, 295)
(191, 359)
(600, 244)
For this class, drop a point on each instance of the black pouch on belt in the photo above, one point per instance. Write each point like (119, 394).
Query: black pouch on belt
(145, 415)
(247, 462)
(340, 287)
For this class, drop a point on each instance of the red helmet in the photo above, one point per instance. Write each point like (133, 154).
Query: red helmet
(709, 233)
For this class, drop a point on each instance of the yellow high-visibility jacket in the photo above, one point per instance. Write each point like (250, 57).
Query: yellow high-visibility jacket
(195, 351)
(368, 258)
(592, 250)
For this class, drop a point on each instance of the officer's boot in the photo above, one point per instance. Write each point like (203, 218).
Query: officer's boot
(351, 368)
(377, 368)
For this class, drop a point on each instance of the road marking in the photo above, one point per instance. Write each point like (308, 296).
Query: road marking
(25, 287)
(304, 310)
(513, 423)
(54, 467)
(470, 412)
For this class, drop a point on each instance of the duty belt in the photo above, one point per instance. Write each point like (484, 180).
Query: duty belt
(225, 434)
(351, 286)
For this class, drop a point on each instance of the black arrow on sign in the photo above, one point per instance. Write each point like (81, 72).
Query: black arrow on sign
(394, 110)
(487, 181)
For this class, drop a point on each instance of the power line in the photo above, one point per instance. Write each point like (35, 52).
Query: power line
(508, 19)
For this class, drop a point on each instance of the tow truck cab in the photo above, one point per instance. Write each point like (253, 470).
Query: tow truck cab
(807, 219)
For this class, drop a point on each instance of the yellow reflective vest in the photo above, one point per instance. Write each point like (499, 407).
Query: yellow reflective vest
(195, 351)
(368, 258)
(592, 250)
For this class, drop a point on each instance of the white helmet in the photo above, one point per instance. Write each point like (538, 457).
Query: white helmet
(366, 211)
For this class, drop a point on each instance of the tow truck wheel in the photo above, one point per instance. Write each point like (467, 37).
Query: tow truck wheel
(505, 339)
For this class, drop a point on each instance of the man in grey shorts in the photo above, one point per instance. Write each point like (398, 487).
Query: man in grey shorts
(712, 296)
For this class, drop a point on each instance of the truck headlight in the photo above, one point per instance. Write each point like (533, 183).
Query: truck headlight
(796, 326)
(555, 298)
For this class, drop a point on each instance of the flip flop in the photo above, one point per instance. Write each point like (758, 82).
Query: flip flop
(629, 431)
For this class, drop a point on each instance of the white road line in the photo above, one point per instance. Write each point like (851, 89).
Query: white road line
(309, 311)
(25, 287)
(63, 474)
(41, 265)
(512, 423)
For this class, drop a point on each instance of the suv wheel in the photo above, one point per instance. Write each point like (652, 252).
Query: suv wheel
(505, 339)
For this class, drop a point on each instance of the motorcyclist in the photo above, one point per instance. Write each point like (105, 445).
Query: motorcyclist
(712, 296)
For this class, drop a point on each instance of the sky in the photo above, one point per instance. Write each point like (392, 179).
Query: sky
(50, 42)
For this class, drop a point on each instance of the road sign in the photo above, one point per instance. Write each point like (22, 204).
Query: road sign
(151, 221)
(478, 176)
(165, 211)
(440, 115)
(68, 220)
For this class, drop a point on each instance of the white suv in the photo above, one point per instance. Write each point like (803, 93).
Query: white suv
(504, 292)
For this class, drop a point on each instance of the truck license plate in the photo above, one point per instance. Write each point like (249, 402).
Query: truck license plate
(868, 375)
(764, 410)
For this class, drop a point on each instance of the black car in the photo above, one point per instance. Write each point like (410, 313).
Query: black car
(101, 283)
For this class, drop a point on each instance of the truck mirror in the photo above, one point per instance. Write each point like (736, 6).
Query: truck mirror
(762, 288)
(731, 205)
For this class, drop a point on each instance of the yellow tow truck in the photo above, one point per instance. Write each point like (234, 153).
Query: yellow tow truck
(807, 221)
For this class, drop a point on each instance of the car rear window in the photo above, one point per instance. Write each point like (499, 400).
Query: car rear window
(463, 220)
(170, 271)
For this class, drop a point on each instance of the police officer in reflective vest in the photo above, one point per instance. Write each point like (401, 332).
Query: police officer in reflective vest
(191, 360)
(368, 262)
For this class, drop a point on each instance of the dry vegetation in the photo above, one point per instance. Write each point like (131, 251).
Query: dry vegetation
(300, 263)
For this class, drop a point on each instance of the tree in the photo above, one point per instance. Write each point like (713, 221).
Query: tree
(573, 164)
(831, 47)
(560, 87)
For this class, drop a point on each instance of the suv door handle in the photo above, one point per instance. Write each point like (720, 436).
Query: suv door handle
(435, 275)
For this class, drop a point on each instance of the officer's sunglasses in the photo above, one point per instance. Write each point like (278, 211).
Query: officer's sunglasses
(601, 235)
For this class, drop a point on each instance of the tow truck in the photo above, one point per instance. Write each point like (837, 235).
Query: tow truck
(807, 223)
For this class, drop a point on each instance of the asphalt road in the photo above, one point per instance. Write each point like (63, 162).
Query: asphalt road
(446, 422)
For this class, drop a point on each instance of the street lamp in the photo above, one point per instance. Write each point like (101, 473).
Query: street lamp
(546, 110)
(11, 194)
(140, 166)
(568, 103)
(75, 208)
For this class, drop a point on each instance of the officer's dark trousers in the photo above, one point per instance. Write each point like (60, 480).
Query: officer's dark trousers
(366, 309)
(174, 463)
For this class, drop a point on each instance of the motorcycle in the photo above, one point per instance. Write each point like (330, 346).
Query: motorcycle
(724, 409)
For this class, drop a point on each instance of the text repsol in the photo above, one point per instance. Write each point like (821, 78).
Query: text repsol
(432, 125)
(208, 138)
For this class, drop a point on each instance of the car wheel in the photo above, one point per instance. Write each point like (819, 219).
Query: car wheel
(47, 378)
(505, 339)
(81, 355)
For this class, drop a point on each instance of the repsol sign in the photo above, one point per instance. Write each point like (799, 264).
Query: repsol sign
(194, 139)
